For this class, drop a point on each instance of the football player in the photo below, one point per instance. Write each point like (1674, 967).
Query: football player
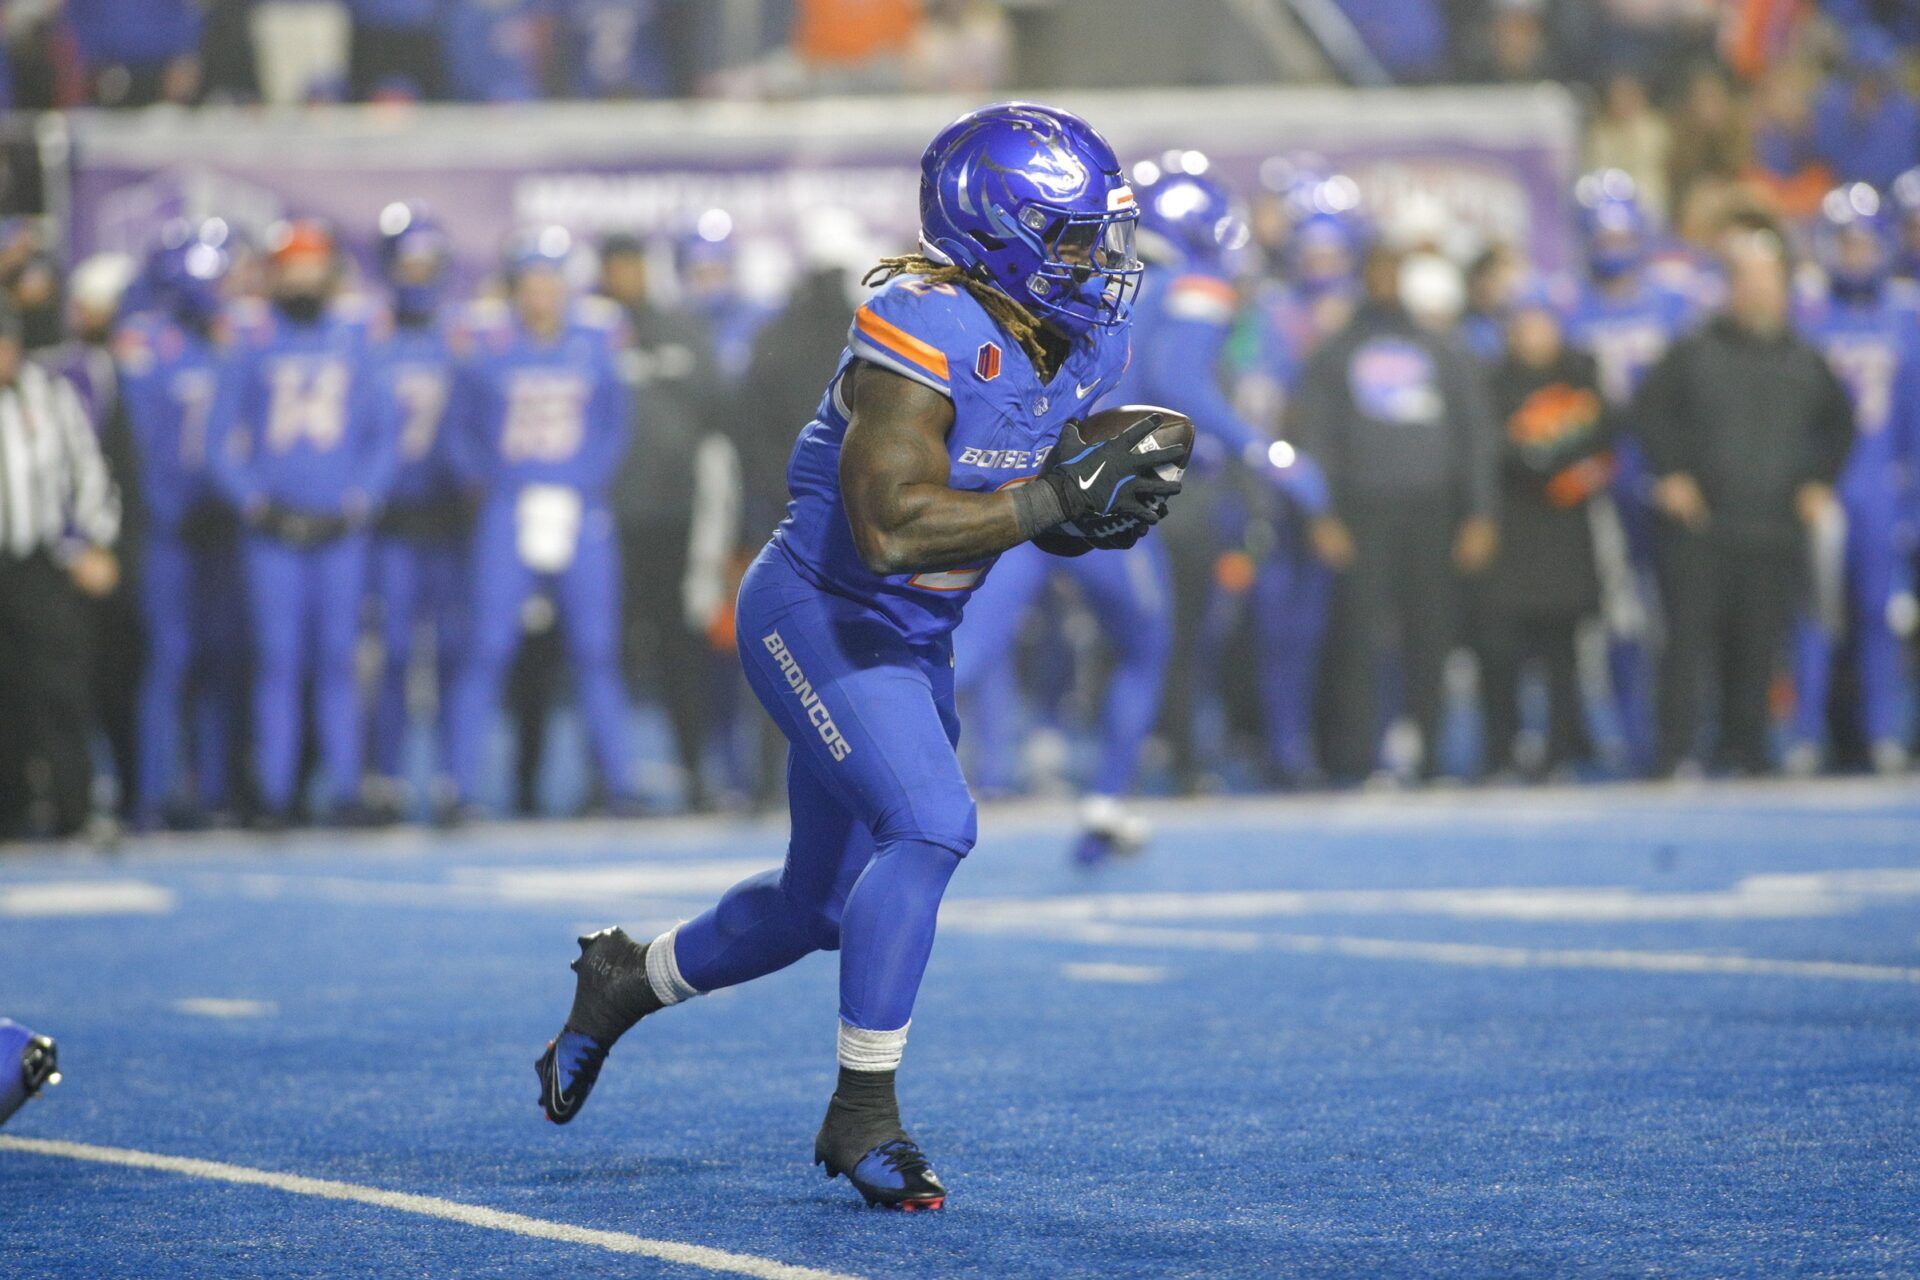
(170, 358)
(1625, 320)
(419, 543)
(541, 419)
(1870, 339)
(1189, 230)
(944, 438)
(302, 447)
(28, 1062)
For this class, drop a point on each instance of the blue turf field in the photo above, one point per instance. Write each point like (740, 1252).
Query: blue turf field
(1604, 1032)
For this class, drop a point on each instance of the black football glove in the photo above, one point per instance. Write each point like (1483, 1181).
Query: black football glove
(1109, 479)
(1058, 542)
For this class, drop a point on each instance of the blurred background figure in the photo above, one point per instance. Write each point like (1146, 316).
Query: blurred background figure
(1745, 430)
(1872, 342)
(1543, 582)
(85, 358)
(1396, 415)
(544, 420)
(59, 519)
(172, 352)
(301, 445)
(673, 382)
(1625, 319)
(419, 553)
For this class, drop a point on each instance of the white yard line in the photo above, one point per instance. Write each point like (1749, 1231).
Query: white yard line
(1469, 955)
(472, 1215)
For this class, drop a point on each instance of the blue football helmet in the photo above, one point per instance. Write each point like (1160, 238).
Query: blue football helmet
(548, 248)
(1612, 224)
(414, 253)
(1188, 220)
(1904, 195)
(1850, 239)
(1031, 200)
(185, 269)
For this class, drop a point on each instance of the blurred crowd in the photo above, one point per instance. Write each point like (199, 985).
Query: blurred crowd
(299, 535)
(136, 53)
(284, 535)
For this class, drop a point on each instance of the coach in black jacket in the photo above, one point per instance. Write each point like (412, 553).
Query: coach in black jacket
(1745, 429)
(1397, 417)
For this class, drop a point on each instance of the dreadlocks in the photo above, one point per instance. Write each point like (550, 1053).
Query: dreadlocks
(1019, 323)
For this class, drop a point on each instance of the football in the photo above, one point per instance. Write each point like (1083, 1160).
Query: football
(1175, 431)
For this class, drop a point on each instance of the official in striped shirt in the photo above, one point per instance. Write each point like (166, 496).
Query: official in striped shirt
(59, 517)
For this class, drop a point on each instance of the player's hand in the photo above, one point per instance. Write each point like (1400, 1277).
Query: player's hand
(1475, 544)
(1332, 543)
(95, 572)
(1679, 496)
(1812, 501)
(1109, 478)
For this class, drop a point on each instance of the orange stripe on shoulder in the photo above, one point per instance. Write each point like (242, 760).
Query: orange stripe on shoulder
(901, 343)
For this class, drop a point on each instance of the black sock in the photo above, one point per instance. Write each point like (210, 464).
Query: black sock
(863, 1114)
(613, 992)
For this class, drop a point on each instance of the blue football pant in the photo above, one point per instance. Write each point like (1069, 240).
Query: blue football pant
(306, 623)
(1292, 592)
(587, 593)
(417, 580)
(1874, 575)
(881, 815)
(191, 601)
(1131, 595)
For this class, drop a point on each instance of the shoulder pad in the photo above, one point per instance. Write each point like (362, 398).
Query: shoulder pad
(920, 330)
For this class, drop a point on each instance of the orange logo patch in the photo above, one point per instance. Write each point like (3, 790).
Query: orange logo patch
(986, 365)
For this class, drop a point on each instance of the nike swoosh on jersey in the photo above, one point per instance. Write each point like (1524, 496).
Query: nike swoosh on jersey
(1080, 392)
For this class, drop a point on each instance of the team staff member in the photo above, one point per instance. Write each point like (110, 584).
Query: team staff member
(1398, 420)
(59, 517)
(1746, 428)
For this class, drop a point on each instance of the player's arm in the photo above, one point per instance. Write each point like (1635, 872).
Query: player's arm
(893, 479)
(905, 518)
(1186, 354)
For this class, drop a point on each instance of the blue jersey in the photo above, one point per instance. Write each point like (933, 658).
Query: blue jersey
(168, 379)
(1875, 350)
(534, 411)
(1006, 422)
(1627, 334)
(298, 420)
(415, 366)
(492, 49)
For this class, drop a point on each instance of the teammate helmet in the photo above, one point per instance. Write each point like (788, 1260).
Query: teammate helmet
(1187, 219)
(1905, 197)
(548, 248)
(1850, 238)
(1612, 224)
(299, 238)
(185, 268)
(413, 257)
(1031, 200)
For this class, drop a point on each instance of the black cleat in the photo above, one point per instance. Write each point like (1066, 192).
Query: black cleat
(893, 1175)
(610, 995)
